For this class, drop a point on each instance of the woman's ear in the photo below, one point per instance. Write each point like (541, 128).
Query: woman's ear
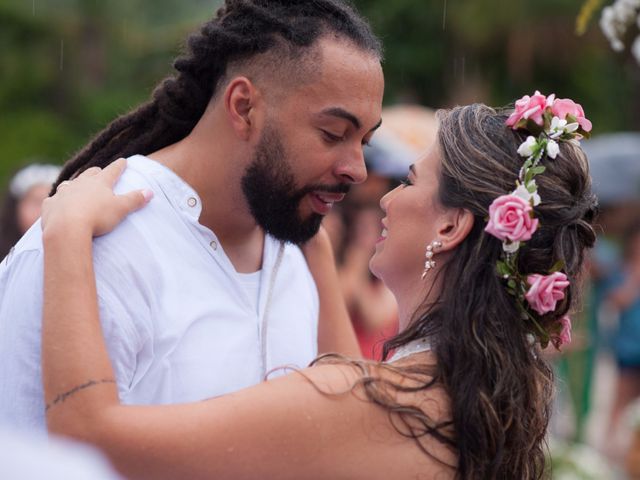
(456, 225)
(240, 100)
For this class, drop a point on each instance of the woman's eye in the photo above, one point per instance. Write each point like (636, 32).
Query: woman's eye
(406, 182)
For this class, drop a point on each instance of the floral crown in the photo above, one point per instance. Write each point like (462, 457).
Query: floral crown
(512, 217)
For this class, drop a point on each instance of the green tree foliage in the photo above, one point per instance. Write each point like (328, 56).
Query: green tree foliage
(68, 67)
(444, 52)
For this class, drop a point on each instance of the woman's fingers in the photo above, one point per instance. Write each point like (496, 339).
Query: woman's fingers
(90, 172)
(111, 173)
(63, 184)
(132, 201)
(89, 201)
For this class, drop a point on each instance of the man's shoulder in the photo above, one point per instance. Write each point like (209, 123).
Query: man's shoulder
(140, 173)
(23, 264)
(31, 241)
(140, 227)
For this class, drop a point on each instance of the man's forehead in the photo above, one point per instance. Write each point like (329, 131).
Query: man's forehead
(338, 59)
(346, 89)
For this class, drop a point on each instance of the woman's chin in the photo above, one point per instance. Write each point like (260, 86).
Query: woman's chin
(374, 267)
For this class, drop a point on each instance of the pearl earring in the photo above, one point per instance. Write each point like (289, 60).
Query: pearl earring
(430, 263)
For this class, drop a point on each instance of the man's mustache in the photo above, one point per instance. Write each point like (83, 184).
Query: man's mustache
(337, 188)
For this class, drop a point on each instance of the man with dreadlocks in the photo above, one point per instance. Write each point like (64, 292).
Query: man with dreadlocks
(244, 151)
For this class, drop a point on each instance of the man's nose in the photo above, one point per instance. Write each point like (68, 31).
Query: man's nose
(352, 169)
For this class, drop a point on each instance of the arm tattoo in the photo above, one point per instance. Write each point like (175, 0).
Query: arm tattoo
(63, 396)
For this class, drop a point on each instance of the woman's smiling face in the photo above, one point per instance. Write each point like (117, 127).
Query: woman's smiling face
(412, 211)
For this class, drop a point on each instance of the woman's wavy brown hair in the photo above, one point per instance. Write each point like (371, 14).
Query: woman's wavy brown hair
(500, 386)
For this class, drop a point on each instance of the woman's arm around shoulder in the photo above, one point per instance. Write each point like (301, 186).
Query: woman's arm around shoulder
(309, 424)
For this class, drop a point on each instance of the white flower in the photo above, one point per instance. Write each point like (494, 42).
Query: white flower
(560, 126)
(552, 148)
(510, 247)
(616, 19)
(526, 195)
(526, 148)
(550, 99)
(626, 10)
(557, 127)
(571, 127)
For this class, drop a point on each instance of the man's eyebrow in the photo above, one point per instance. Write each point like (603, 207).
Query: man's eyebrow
(342, 113)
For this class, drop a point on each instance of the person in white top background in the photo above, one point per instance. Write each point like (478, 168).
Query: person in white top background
(245, 150)
(22, 203)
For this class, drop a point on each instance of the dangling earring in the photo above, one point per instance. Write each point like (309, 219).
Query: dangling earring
(430, 263)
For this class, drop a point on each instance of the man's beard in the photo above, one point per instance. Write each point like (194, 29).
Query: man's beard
(270, 189)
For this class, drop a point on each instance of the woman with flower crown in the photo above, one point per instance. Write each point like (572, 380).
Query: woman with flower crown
(483, 248)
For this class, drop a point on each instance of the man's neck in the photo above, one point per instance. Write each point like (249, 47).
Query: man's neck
(215, 175)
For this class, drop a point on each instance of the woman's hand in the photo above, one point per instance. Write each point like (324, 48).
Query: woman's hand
(88, 202)
(335, 332)
(318, 249)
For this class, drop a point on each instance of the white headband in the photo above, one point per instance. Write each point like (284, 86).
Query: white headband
(32, 175)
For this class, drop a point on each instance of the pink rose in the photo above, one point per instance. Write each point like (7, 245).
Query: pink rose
(562, 107)
(565, 333)
(545, 291)
(528, 107)
(510, 219)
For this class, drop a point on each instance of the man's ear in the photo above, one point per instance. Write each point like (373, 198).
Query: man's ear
(240, 100)
(456, 225)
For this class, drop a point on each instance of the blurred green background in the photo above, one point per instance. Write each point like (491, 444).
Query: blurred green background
(68, 67)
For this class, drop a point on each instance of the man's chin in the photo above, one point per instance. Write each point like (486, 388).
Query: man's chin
(296, 233)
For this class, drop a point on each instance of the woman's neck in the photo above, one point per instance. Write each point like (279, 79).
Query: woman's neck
(414, 296)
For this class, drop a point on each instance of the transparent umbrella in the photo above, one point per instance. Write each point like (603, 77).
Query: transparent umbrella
(615, 166)
(405, 133)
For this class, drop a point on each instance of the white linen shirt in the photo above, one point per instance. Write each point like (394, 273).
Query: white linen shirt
(177, 320)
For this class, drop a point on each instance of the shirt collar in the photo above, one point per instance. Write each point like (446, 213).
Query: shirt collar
(178, 192)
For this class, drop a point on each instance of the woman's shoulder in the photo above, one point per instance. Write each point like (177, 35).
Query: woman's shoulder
(397, 412)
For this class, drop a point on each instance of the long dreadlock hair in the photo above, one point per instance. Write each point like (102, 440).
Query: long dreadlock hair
(240, 30)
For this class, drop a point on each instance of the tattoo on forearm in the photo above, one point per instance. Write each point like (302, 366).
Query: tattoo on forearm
(63, 396)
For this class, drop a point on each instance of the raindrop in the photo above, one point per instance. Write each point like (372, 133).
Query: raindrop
(61, 54)
(444, 15)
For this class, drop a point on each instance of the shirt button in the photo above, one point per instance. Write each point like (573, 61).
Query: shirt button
(214, 244)
(192, 202)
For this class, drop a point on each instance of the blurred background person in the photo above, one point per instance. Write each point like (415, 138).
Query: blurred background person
(624, 299)
(23, 202)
